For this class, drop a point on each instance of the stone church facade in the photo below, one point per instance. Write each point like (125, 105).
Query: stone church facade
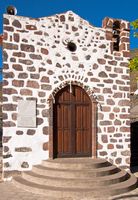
(64, 77)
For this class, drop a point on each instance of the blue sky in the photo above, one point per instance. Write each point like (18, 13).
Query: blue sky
(93, 11)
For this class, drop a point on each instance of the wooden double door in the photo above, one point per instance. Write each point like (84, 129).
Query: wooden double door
(72, 123)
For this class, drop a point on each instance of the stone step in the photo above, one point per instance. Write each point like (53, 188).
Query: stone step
(77, 179)
(123, 187)
(58, 192)
(67, 173)
(62, 192)
(78, 183)
(76, 164)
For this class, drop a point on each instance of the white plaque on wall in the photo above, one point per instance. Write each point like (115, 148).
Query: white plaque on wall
(26, 113)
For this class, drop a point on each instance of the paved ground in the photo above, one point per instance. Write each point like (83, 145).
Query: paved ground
(8, 191)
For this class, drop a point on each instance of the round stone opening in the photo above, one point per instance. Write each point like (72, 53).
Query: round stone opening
(71, 46)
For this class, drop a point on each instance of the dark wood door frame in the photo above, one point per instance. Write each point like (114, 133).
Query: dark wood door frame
(94, 127)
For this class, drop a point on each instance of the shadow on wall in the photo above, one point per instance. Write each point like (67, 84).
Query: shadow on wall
(134, 146)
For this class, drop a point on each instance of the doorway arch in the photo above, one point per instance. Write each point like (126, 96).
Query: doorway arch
(74, 124)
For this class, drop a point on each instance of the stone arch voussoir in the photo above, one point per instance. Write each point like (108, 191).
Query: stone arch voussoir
(94, 101)
(87, 89)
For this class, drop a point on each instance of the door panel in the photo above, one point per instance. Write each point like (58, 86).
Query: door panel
(72, 123)
(63, 129)
(83, 129)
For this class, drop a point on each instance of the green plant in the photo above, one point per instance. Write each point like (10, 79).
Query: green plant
(134, 25)
(133, 64)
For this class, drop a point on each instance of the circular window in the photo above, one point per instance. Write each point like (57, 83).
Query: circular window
(71, 46)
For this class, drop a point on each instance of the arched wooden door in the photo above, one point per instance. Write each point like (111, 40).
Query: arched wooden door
(72, 123)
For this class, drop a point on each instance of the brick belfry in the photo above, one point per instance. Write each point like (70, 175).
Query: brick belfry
(50, 60)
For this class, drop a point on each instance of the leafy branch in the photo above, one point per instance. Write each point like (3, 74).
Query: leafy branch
(134, 25)
(133, 64)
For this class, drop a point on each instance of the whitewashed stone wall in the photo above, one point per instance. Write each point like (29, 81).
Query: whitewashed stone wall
(37, 62)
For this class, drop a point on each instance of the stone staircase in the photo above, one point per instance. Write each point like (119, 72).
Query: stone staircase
(80, 178)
